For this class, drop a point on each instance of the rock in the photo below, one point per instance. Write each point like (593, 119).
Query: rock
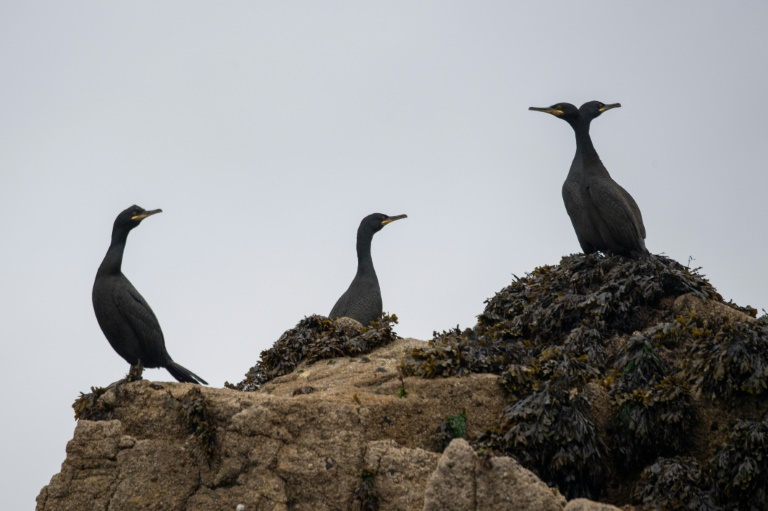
(588, 505)
(463, 483)
(154, 474)
(279, 450)
(452, 486)
(350, 327)
(595, 338)
(691, 304)
(274, 449)
(401, 473)
(88, 473)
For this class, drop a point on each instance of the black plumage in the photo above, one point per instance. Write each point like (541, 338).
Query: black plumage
(362, 300)
(123, 314)
(589, 111)
(604, 215)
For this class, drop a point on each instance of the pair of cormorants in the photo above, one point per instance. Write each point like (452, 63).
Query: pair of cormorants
(604, 215)
(132, 328)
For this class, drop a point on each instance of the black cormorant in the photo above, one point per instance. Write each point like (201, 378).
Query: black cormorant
(604, 215)
(589, 111)
(572, 185)
(124, 316)
(362, 301)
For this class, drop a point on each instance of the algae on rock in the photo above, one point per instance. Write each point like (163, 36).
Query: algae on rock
(609, 363)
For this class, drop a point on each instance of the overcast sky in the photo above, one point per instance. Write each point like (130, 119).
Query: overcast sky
(267, 130)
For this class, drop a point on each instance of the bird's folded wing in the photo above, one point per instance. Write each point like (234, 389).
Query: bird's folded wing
(142, 320)
(635, 208)
(618, 218)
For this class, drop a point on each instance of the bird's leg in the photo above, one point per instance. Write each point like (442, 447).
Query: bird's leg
(134, 374)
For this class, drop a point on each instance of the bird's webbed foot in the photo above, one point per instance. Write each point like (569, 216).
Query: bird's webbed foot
(134, 374)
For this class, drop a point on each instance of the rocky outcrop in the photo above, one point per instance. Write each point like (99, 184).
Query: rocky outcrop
(345, 434)
(620, 380)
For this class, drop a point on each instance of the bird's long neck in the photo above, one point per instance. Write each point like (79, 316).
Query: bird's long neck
(583, 140)
(584, 145)
(113, 261)
(364, 260)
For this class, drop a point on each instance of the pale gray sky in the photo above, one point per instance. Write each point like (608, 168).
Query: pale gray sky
(267, 130)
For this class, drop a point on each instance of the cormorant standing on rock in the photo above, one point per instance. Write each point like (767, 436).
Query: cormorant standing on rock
(571, 190)
(589, 111)
(362, 301)
(124, 316)
(604, 216)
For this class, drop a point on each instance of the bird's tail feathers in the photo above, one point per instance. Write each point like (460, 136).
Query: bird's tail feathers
(183, 374)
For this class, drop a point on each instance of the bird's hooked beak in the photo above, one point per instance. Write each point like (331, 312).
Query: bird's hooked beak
(144, 215)
(391, 219)
(608, 107)
(549, 110)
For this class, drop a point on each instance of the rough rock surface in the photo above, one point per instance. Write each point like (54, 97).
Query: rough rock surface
(588, 505)
(462, 482)
(299, 443)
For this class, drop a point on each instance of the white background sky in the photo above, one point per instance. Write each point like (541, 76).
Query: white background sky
(267, 130)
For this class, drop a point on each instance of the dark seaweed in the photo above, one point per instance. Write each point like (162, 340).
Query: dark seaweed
(315, 338)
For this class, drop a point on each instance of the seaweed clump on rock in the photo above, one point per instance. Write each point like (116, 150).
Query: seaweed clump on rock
(90, 406)
(612, 368)
(654, 409)
(674, 484)
(577, 305)
(315, 338)
(551, 431)
(740, 466)
(730, 359)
